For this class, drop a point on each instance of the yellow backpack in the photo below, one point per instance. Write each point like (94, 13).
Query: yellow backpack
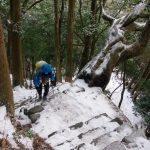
(38, 65)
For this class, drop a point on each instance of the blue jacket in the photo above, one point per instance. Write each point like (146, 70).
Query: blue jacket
(44, 69)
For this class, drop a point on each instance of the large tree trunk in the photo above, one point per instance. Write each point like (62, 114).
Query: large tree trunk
(57, 41)
(98, 71)
(9, 48)
(69, 64)
(6, 94)
(17, 64)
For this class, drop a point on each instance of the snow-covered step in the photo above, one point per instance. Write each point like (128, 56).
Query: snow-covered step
(86, 137)
(117, 145)
(96, 132)
(79, 129)
(117, 135)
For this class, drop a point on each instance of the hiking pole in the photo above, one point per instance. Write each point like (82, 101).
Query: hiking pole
(52, 91)
(35, 99)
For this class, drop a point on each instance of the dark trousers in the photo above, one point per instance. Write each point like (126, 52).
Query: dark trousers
(46, 89)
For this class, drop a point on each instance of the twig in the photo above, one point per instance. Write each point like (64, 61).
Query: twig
(123, 89)
(115, 90)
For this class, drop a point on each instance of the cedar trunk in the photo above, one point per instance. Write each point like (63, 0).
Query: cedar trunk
(17, 64)
(57, 41)
(69, 64)
(6, 94)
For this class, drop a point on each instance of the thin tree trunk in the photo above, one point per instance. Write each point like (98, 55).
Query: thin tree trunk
(92, 47)
(9, 48)
(69, 64)
(17, 64)
(57, 41)
(6, 94)
(124, 84)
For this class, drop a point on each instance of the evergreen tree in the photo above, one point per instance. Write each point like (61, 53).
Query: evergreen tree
(6, 94)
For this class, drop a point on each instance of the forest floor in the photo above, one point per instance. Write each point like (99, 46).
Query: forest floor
(74, 117)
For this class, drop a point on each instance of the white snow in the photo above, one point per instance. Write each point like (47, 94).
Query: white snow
(6, 128)
(74, 103)
(21, 94)
(127, 104)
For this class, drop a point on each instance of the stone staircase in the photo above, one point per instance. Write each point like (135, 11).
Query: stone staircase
(101, 132)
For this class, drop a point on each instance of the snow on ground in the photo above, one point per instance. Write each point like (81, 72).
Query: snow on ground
(6, 128)
(21, 94)
(127, 104)
(71, 104)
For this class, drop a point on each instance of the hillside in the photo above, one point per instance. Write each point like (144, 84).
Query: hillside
(75, 117)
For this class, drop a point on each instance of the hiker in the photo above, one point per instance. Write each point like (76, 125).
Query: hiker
(42, 73)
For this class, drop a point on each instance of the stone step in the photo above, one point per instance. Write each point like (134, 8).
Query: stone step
(117, 135)
(85, 138)
(117, 145)
(79, 129)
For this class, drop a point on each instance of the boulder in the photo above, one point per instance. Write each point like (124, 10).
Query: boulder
(130, 138)
(35, 109)
(34, 117)
(115, 146)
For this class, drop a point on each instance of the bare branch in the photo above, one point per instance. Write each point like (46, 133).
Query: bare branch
(80, 12)
(107, 17)
(32, 5)
(79, 36)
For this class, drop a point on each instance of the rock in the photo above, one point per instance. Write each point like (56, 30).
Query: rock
(126, 128)
(118, 120)
(34, 117)
(131, 138)
(76, 126)
(115, 146)
(35, 109)
(147, 132)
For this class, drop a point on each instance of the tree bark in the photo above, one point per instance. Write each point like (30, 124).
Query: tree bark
(17, 64)
(6, 94)
(69, 64)
(57, 41)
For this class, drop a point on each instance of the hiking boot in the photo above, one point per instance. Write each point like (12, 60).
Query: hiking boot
(44, 98)
(40, 98)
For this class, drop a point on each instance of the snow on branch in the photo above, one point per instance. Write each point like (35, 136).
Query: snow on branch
(98, 71)
(138, 47)
(134, 14)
